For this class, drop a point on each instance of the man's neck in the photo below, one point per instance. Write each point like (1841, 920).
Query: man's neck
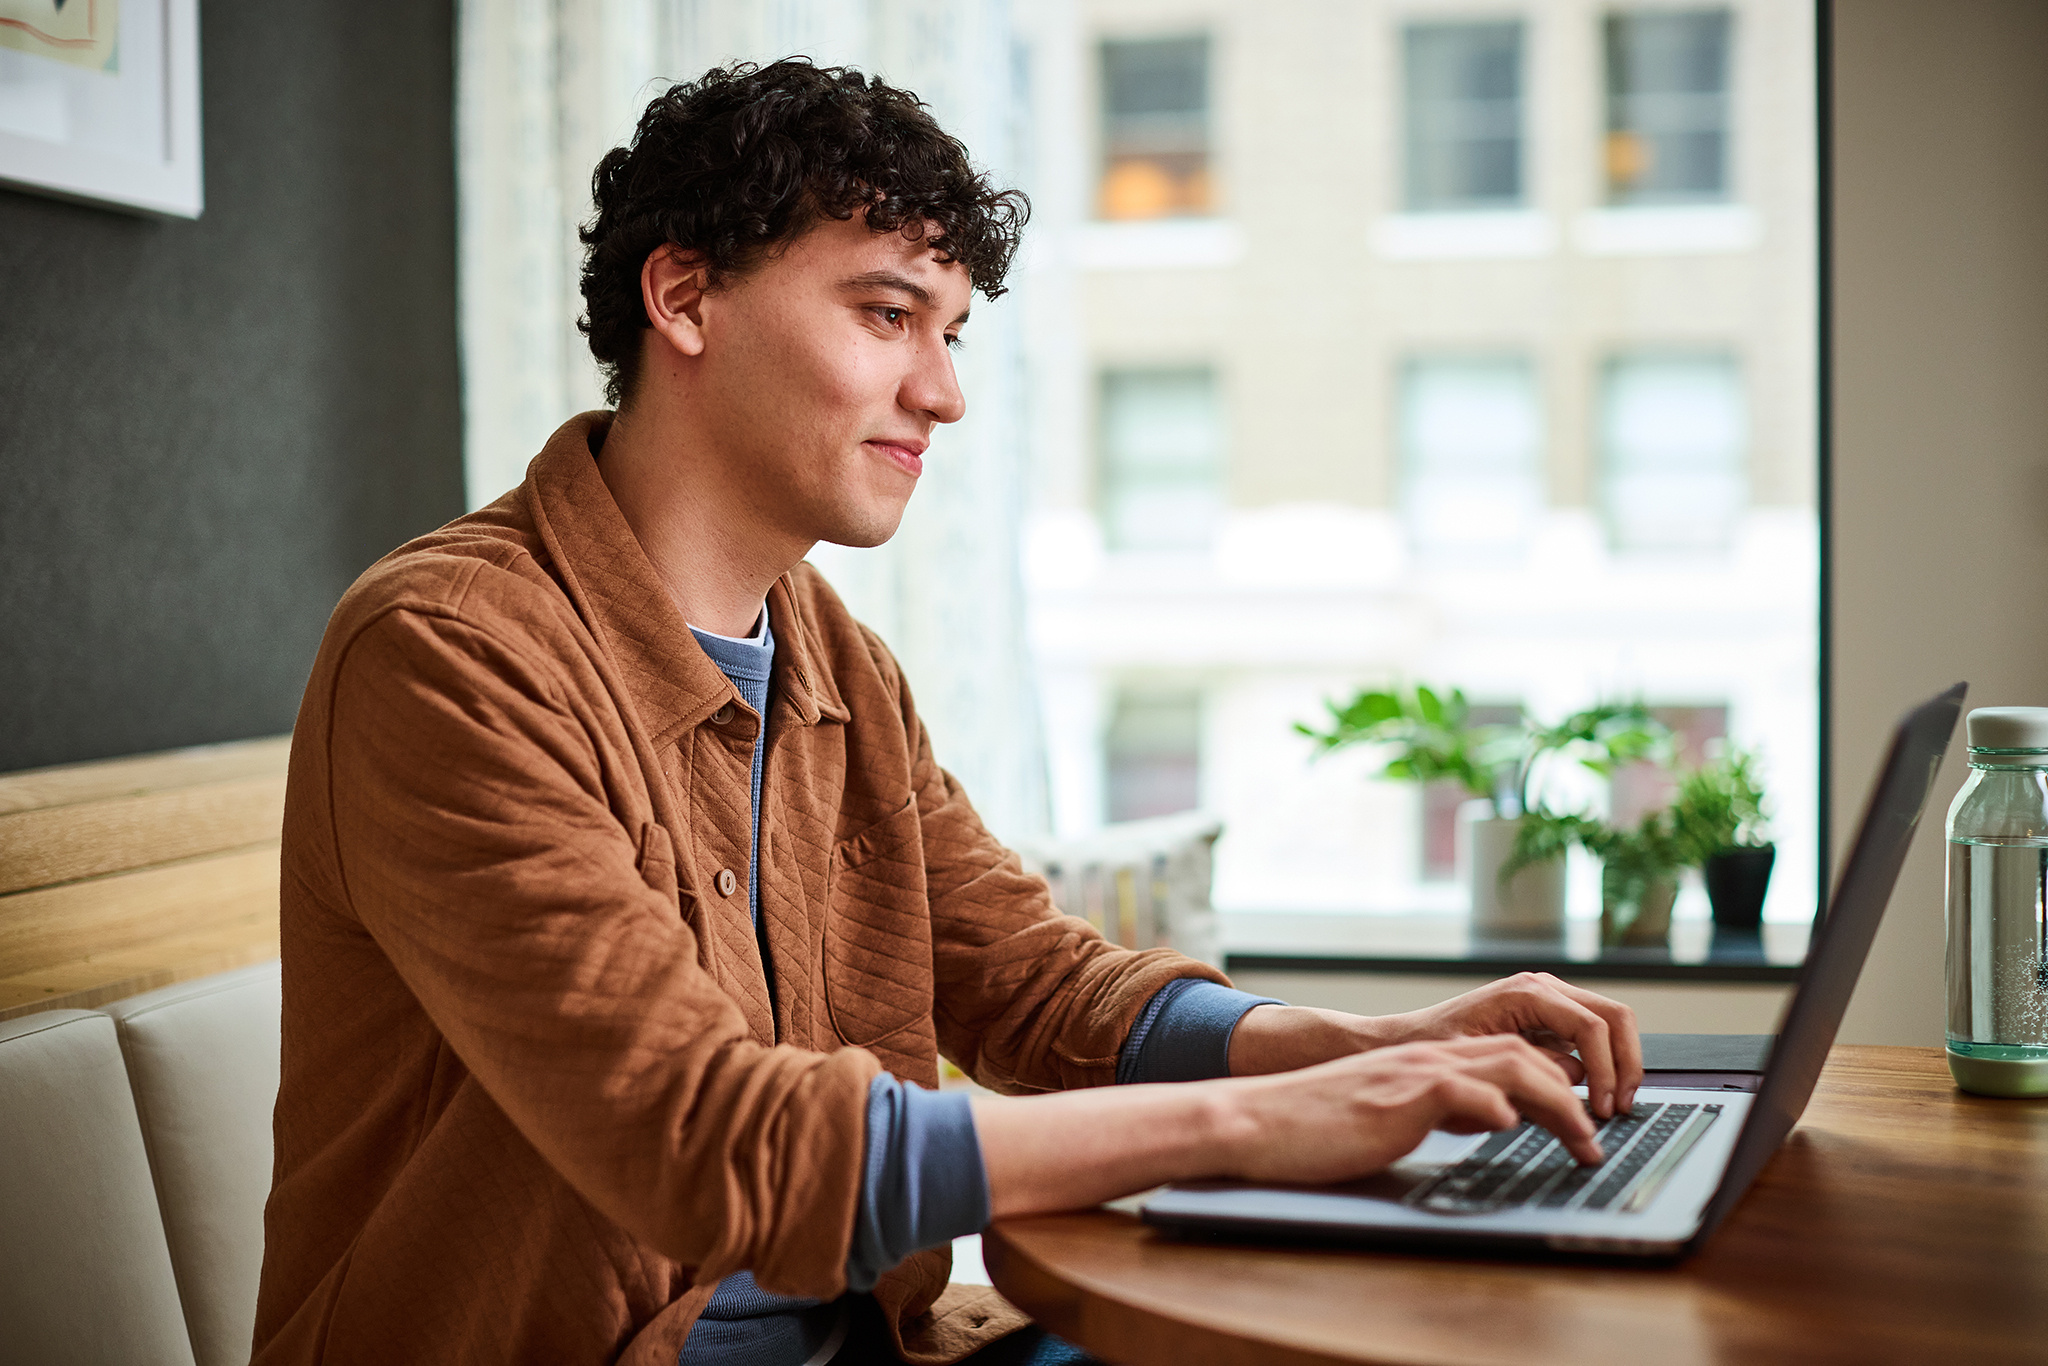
(694, 521)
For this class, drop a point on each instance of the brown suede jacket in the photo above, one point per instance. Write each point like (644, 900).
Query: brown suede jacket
(536, 1101)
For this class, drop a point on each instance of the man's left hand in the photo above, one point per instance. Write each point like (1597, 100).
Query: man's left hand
(1554, 1015)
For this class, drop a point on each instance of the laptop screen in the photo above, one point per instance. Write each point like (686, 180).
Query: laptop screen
(1841, 942)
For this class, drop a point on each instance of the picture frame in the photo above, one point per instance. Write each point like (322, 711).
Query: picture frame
(99, 102)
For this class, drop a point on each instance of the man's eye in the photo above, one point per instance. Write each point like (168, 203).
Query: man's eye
(893, 316)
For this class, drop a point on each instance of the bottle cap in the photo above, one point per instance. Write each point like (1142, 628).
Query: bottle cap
(2009, 728)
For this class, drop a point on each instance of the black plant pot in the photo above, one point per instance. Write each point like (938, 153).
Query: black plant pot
(1736, 882)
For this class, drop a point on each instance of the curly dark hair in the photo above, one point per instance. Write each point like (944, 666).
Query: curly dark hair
(746, 159)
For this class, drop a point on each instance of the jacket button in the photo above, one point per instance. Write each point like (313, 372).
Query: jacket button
(722, 715)
(727, 882)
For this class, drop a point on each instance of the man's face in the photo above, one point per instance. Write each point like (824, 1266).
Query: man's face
(823, 373)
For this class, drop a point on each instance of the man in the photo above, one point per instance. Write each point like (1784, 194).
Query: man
(626, 911)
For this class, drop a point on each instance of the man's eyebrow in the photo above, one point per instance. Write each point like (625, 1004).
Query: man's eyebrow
(889, 279)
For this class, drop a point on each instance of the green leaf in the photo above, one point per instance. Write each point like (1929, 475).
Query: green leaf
(1377, 706)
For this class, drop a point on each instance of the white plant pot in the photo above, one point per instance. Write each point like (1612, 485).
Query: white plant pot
(1529, 905)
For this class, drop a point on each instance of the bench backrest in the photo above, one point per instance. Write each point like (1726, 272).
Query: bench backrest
(135, 1160)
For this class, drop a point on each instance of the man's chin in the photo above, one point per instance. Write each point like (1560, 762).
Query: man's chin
(864, 535)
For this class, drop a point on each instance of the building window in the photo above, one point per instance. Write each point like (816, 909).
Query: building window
(1471, 442)
(1668, 106)
(1162, 459)
(1464, 115)
(1674, 439)
(1155, 128)
(1154, 753)
(1636, 789)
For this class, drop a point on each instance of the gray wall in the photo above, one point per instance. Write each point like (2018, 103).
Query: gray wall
(208, 428)
(1941, 426)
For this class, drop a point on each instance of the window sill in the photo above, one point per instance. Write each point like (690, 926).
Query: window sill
(1443, 945)
(1495, 234)
(1689, 230)
(1159, 244)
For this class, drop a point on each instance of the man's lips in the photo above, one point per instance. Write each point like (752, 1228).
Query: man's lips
(908, 455)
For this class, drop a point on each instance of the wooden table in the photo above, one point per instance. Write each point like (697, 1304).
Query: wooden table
(1902, 1221)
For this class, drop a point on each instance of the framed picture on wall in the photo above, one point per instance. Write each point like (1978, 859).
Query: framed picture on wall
(99, 101)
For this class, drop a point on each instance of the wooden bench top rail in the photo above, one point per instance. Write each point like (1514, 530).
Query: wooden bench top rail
(62, 824)
(128, 874)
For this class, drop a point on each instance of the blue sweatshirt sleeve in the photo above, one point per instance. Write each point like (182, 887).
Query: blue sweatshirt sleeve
(922, 1182)
(1183, 1034)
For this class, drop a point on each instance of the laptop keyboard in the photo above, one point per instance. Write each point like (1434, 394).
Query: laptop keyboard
(1527, 1166)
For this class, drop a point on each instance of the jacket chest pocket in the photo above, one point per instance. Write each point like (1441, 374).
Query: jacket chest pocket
(878, 935)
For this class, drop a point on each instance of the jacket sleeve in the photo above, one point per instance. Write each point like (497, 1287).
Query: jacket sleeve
(1025, 999)
(474, 841)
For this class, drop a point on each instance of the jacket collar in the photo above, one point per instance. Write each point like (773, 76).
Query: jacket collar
(802, 673)
(616, 591)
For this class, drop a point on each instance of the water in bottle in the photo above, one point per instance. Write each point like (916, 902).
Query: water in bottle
(1998, 907)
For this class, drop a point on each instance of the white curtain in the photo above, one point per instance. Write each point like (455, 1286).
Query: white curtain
(545, 88)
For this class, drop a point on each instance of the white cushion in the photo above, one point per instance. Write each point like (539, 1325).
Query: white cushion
(85, 1273)
(203, 1062)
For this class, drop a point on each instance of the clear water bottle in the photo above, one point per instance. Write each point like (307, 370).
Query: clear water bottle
(1998, 907)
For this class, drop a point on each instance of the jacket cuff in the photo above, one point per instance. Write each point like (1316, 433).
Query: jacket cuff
(1183, 1034)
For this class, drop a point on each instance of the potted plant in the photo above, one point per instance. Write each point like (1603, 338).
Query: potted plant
(1431, 738)
(1639, 869)
(1716, 823)
(1499, 767)
(1718, 819)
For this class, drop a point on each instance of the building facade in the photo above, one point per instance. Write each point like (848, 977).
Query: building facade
(1369, 342)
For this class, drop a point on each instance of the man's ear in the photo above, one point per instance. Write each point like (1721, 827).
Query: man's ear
(672, 284)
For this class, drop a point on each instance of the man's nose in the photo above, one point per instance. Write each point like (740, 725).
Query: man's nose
(933, 388)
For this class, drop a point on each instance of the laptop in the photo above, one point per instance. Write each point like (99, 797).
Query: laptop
(1676, 1164)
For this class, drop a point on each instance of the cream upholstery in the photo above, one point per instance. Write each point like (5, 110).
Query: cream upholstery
(85, 1273)
(134, 1163)
(203, 1064)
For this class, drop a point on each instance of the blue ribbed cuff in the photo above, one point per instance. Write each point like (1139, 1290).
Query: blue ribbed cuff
(1183, 1034)
(922, 1182)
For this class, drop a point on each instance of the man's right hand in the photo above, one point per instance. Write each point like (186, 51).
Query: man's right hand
(1332, 1122)
(1359, 1114)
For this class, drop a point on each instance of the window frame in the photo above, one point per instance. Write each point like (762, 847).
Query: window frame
(1520, 24)
(1620, 197)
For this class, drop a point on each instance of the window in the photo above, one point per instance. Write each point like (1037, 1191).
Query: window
(1155, 128)
(1674, 446)
(1162, 459)
(1464, 115)
(1667, 106)
(1450, 446)
(1154, 750)
(1471, 439)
